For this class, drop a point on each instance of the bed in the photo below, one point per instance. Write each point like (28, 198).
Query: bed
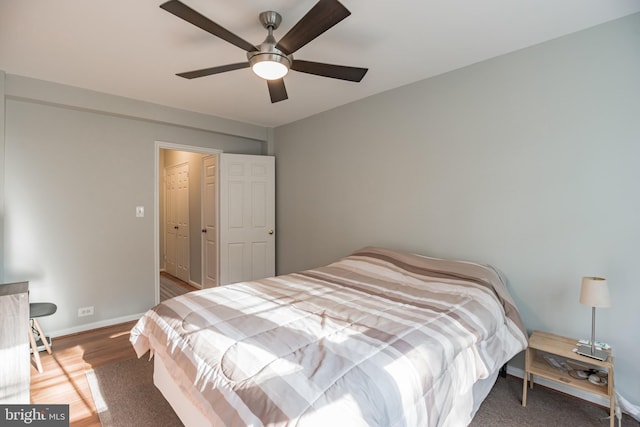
(378, 338)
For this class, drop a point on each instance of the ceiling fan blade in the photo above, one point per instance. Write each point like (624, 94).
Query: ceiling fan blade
(277, 91)
(213, 70)
(324, 15)
(183, 11)
(342, 72)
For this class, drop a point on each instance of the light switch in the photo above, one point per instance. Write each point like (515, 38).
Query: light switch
(139, 211)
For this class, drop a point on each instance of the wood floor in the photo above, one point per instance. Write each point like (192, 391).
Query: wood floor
(177, 281)
(64, 380)
(171, 286)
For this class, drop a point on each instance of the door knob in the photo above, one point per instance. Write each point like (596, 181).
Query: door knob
(270, 231)
(175, 226)
(204, 230)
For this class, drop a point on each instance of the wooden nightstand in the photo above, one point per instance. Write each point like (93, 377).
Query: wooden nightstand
(544, 343)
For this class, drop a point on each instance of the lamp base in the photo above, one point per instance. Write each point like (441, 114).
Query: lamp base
(597, 354)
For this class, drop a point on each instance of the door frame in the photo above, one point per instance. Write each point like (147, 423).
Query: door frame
(162, 145)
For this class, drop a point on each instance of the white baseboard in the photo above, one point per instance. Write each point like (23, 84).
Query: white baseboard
(95, 325)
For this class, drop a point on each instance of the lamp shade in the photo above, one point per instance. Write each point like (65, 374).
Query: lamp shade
(595, 292)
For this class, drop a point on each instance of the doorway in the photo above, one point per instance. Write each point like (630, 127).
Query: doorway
(246, 227)
(168, 155)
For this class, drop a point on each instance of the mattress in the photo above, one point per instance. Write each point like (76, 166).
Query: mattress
(380, 337)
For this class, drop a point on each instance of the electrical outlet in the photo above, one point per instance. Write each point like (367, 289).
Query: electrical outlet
(85, 311)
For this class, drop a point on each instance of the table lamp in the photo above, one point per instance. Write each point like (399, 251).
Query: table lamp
(595, 293)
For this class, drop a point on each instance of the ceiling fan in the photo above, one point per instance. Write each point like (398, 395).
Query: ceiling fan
(272, 60)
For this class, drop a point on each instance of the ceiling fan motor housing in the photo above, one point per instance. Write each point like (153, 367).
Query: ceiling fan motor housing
(267, 50)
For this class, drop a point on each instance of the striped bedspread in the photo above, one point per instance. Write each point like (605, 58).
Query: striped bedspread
(379, 338)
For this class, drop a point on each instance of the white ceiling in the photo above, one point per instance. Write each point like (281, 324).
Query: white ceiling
(133, 48)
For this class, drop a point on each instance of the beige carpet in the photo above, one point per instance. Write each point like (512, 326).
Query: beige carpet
(503, 407)
(125, 396)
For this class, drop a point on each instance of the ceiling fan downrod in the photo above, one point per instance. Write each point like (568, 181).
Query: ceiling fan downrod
(269, 62)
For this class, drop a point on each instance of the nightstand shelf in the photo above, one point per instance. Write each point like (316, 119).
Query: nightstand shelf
(561, 348)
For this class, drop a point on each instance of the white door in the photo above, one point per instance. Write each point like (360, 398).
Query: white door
(171, 221)
(247, 217)
(209, 219)
(177, 228)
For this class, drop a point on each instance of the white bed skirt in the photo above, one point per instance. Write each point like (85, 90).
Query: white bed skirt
(191, 416)
(188, 413)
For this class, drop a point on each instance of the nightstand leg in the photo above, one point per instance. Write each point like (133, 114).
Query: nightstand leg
(524, 389)
(525, 377)
(612, 412)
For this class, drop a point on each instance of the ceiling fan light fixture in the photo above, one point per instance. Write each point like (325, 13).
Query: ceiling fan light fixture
(270, 66)
(271, 60)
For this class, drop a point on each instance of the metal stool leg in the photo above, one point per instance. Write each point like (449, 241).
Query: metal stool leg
(39, 309)
(34, 347)
(42, 337)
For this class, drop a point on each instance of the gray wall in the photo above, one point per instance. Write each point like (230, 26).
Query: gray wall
(76, 165)
(527, 161)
